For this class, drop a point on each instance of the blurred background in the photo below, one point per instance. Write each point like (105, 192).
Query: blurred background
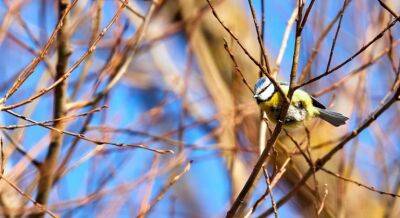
(156, 121)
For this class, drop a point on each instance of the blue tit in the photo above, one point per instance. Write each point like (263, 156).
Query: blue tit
(302, 107)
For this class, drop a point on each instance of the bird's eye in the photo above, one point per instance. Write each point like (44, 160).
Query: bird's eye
(300, 105)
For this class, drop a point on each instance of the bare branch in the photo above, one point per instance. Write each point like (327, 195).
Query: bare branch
(371, 188)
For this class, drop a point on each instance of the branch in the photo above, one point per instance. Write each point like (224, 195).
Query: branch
(2, 156)
(285, 40)
(308, 10)
(46, 170)
(49, 122)
(336, 36)
(259, 37)
(84, 137)
(371, 188)
(285, 106)
(131, 9)
(30, 198)
(174, 179)
(273, 181)
(237, 69)
(385, 6)
(21, 150)
(321, 207)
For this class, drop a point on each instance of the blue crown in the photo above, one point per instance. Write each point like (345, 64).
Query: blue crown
(261, 83)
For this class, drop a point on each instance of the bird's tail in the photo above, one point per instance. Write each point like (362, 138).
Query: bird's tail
(332, 117)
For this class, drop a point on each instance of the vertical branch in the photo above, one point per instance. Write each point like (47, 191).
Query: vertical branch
(95, 29)
(335, 37)
(262, 137)
(269, 189)
(2, 156)
(49, 164)
(296, 54)
(42, 20)
(262, 29)
(312, 166)
(285, 40)
(259, 38)
(239, 201)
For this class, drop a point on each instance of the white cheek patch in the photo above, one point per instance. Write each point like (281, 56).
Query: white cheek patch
(267, 93)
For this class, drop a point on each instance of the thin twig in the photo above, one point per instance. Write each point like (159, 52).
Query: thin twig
(285, 40)
(259, 37)
(386, 7)
(174, 179)
(335, 37)
(2, 156)
(308, 10)
(21, 150)
(273, 183)
(96, 23)
(237, 69)
(267, 179)
(131, 9)
(95, 141)
(30, 198)
(49, 122)
(262, 31)
(321, 207)
(371, 188)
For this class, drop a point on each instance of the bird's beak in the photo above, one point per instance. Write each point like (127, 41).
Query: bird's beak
(257, 97)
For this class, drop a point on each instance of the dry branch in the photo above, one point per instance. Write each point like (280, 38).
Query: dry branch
(59, 109)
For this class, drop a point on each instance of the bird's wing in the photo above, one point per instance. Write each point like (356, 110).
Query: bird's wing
(316, 103)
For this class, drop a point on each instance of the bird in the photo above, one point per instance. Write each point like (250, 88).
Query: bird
(302, 107)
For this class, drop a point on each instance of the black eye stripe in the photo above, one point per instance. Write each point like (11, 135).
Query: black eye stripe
(262, 90)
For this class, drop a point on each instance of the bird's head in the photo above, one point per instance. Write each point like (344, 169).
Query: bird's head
(263, 90)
